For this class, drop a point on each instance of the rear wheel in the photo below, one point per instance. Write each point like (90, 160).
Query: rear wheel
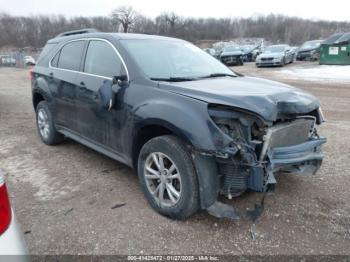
(45, 125)
(168, 178)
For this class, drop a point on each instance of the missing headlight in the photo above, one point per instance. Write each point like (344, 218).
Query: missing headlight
(230, 127)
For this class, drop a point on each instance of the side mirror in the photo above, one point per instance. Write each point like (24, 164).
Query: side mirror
(120, 80)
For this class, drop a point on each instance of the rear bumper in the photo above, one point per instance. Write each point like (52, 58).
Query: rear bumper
(12, 241)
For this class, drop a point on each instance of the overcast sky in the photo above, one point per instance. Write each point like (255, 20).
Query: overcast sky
(316, 9)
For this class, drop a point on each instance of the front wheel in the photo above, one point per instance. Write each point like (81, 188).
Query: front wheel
(168, 177)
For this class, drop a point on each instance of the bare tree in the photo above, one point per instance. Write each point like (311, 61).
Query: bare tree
(34, 31)
(169, 23)
(126, 16)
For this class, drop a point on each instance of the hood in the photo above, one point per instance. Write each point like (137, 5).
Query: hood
(231, 53)
(269, 99)
(264, 55)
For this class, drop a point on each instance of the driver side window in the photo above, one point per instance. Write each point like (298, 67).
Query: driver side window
(101, 59)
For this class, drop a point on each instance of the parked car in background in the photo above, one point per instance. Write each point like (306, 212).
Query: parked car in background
(11, 236)
(189, 126)
(232, 55)
(275, 55)
(7, 60)
(310, 50)
(250, 52)
(29, 60)
(294, 51)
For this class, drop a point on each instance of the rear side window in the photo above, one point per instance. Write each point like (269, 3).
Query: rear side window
(54, 61)
(70, 55)
(47, 49)
(101, 59)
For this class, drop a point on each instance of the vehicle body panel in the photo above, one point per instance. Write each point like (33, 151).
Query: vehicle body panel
(310, 50)
(183, 108)
(12, 240)
(266, 98)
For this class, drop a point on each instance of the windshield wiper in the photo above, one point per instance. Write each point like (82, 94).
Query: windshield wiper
(218, 75)
(173, 79)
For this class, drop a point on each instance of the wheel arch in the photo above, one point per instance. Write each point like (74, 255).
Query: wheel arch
(40, 92)
(150, 129)
(37, 98)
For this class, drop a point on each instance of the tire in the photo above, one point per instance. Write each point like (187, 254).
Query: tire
(45, 125)
(173, 151)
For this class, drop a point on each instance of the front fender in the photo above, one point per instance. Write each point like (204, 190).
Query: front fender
(186, 117)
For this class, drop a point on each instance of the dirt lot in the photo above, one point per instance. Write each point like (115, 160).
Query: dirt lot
(63, 195)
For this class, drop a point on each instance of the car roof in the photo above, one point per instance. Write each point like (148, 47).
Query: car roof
(118, 36)
(282, 45)
(313, 41)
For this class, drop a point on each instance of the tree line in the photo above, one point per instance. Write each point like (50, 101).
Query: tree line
(34, 31)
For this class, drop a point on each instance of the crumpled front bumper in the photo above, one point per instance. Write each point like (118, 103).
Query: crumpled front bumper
(302, 158)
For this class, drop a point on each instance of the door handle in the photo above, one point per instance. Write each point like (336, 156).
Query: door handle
(82, 85)
(51, 75)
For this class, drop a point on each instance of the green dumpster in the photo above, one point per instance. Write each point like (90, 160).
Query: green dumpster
(336, 50)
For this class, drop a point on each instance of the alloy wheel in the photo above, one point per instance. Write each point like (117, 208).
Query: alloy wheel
(163, 179)
(43, 123)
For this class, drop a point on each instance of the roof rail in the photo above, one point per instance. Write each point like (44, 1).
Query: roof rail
(77, 32)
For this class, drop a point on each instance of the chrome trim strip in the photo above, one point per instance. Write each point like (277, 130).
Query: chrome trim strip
(84, 73)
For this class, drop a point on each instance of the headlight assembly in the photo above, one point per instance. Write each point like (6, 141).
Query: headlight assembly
(234, 123)
(230, 127)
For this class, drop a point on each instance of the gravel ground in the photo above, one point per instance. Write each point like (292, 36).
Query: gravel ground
(63, 195)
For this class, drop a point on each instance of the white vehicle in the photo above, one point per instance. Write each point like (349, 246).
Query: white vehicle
(29, 60)
(11, 237)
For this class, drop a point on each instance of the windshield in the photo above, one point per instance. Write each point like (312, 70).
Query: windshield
(311, 45)
(164, 59)
(274, 49)
(232, 49)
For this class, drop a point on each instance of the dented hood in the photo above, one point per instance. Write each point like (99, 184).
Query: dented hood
(269, 99)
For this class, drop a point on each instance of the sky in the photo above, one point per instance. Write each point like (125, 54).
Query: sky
(313, 9)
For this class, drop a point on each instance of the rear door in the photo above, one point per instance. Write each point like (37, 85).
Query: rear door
(63, 74)
(96, 123)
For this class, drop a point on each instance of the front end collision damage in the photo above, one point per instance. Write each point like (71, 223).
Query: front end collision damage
(257, 150)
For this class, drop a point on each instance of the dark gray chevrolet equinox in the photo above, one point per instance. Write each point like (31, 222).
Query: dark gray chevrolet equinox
(190, 127)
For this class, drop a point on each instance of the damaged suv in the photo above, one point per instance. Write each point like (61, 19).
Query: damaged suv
(190, 127)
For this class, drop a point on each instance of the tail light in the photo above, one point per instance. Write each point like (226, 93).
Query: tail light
(5, 209)
(31, 74)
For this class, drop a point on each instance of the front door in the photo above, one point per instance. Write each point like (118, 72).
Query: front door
(96, 122)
